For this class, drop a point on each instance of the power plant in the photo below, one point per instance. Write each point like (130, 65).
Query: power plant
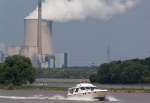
(31, 47)
(39, 48)
(38, 43)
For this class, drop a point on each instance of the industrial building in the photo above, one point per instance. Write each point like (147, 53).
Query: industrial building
(38, 44)
(30, 48)
(2, 52)
(48, 58)
(59, 60)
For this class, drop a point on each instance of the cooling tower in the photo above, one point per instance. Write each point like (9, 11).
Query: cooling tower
(30, 44)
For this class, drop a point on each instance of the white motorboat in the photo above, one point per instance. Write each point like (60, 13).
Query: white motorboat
(87, 90)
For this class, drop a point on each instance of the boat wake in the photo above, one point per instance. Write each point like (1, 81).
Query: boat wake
(56, 97)
(112, 99)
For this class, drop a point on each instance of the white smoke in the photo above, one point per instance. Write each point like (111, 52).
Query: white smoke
(67, 10)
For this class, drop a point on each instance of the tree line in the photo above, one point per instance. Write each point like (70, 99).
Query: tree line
(123, 72)
(70, 72)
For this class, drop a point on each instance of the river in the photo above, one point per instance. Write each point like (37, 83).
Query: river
(42, 96)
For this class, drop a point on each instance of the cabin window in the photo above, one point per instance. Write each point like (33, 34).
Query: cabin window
(92, 88)
(88, 88)
(77, 89)
(82, 88)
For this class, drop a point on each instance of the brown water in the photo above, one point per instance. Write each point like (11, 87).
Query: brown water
(39, 96)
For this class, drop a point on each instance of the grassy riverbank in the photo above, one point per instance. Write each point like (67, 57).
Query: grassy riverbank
(129, 90)
(29, 87)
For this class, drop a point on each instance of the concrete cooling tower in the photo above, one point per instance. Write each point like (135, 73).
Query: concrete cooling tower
(30, 48)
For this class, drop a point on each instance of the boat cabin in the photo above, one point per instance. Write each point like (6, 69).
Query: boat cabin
(81, 88)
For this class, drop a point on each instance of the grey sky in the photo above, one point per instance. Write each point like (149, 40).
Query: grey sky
(128, 34)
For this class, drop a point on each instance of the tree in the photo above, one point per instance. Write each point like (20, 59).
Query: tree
(125, 72)
(103, 75)
(92, 78)
(17, 70)
(2, 73)
(133, 72)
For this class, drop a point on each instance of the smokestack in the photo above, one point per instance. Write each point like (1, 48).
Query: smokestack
(39, 37)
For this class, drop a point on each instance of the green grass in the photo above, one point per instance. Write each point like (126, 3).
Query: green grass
(29, 87)
(130, 90)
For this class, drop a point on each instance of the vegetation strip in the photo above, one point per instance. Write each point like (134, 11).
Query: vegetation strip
(129, 90)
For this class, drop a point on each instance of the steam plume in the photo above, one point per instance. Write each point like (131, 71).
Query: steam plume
(66, 10)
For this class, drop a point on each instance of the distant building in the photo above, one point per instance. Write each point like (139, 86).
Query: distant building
(13, 51)
(2, 57)
(59, 60)
(52, 61)
(2, 52)
(2, 47)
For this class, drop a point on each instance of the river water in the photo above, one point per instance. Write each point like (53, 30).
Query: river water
(42, 96)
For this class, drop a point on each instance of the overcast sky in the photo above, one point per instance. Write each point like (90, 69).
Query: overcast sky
(85, 41)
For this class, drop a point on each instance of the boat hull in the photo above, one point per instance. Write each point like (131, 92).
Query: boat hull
(90, 95)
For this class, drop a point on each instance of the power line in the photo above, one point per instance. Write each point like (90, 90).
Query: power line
(108, 53)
